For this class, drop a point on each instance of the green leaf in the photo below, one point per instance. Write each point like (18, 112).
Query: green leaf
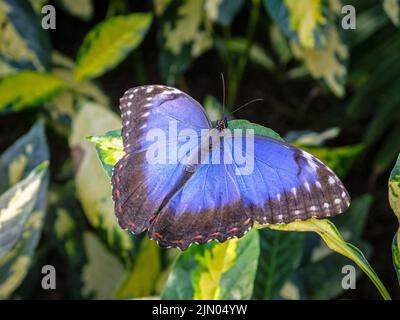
(215, 271)
(103, 271)
(258, 129)
(21, 219)
(64, 227)
(327, 64)
(92, 183)
(222, 11)
(303, 21)
(392, 9)
(82, 9)
(322, 279)
(394, 200)
(142, 280)
(109, 43)
(394, 188)
(109, 149)
(16, 163)
(24, 43)
(352, 224)
(182, 37)
(23, 156)
(27, 89)
(320, 272)
(335, 242)
(280, 255)
(23, 171)
(396, 254)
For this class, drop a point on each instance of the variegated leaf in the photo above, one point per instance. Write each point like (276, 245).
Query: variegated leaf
(215, 271)
(109, 43)
(93, 185)
(27, 89)
(394, 199)
(21, 219)
(305, 22)
(392, 9)
(82, 9)
(24, 43)
(222, 11)
(327, 64)
(182, 37)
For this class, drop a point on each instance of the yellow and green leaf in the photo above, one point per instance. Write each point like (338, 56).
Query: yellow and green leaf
(109, 43)
(333, 239)
(21, 219)
(394, 199)
(24, 43)
(222, 11)
(102, 272)
(109, 149)
(183, 37)
(82, 9)
(23, 156)
(141, 281)
(215, 271)
(92, 183)
(327, 64)
(27, 89)
(303, 21)
(392, 9)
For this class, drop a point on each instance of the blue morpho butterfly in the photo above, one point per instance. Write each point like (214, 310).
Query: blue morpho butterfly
(181, 205)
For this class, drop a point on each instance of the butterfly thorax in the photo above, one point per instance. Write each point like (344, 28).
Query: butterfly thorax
(222, 124)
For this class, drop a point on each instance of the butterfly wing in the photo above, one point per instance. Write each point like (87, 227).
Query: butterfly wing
(219, 202)
(140, 187)
(289, 184)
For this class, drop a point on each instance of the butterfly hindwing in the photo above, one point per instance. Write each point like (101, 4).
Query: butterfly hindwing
(140, 187)
(208, 207)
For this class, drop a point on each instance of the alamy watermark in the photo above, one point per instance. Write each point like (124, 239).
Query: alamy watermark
(207, 146)
(49, 278)
(349, 280)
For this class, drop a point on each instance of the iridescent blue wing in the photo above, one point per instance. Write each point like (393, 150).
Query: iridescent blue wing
(209, 206)
(218, 202)
(139, 187)
(289, 184)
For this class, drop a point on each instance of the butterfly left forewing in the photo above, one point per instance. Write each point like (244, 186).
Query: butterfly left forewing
(139, 186)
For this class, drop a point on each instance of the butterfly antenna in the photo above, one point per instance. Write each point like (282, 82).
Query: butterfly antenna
(247, 103)
(223, 93)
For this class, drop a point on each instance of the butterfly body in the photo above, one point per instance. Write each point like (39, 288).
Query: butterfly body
(194, 199)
